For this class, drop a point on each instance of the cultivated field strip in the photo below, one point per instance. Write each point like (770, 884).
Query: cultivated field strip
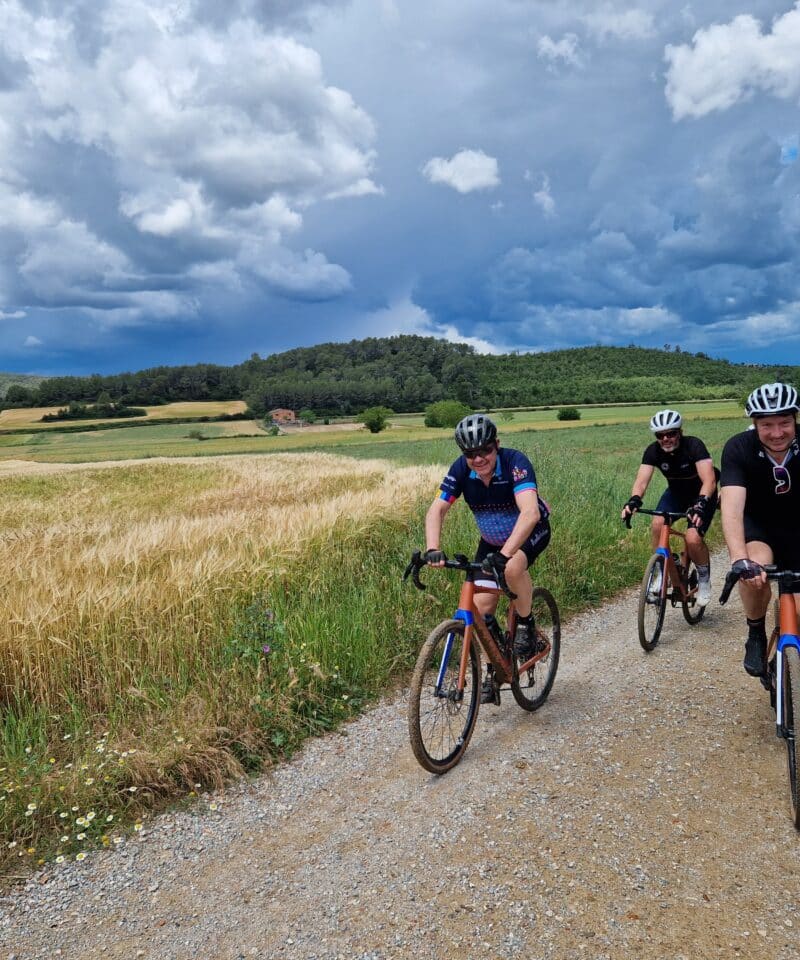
(110, 567)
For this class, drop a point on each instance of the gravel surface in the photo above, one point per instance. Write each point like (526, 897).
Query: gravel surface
(642, 813)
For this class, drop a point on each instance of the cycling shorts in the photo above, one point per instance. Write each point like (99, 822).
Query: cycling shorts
(785, 545)
(532, 547)
(674, 504)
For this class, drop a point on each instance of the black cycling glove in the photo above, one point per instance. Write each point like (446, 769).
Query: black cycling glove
(495, 564)
(699, 509)
(434, 556)
(634, 503)
(747, 569)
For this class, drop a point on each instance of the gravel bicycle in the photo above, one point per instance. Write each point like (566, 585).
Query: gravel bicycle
(668, 576)
(445, 688)
(783, 671)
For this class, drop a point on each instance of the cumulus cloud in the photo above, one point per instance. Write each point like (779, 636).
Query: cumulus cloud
(544, 199)
(566, 50)
(759, 329)
(310, 277)
(466, 171)
(32, 341)
(607, 22)
(548, 327)
(211, 134)
(728, 63)
(403, 316)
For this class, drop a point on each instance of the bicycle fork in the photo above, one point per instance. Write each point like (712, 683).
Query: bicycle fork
(787, 638)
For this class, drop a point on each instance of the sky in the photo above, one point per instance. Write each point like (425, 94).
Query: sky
(181, 183)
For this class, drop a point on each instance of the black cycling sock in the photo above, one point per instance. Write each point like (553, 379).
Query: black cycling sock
(757, 626)
(526, 619)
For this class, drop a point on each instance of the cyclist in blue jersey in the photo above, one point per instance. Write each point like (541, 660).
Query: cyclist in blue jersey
(499, 486)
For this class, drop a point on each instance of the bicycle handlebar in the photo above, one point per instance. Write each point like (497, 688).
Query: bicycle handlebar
(668, 515)
(772, 571)
(459, 562)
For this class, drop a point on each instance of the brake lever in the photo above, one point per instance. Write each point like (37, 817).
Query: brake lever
(730, 582)
(413, 569)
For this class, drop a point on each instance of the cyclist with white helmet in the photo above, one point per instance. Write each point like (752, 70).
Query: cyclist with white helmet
(691, 489)
(499, 486)
(761, 505)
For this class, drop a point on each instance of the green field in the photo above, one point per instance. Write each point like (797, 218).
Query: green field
(140, 599)
(173, 440)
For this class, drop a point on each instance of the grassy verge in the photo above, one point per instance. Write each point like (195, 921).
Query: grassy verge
(164, 626)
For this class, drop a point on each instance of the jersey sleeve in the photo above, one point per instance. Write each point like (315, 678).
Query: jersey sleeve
(699, 450)
(650, 457)
(522, 473)
(453, 484)
(733, 472)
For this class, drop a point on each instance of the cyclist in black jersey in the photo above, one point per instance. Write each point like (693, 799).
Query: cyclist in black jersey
(761, 505)
(691, 489)
(499, 486)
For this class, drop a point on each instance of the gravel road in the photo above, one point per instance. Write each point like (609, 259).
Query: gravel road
(641, 813)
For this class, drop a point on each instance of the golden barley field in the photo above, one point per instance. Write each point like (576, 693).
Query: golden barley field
(166, 624)
(118, 570)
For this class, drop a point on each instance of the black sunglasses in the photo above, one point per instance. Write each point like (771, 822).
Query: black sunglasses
(667, 435)
(483, 451)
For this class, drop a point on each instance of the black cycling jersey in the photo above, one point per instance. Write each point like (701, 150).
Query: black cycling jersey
(773, 490)
(679, 467)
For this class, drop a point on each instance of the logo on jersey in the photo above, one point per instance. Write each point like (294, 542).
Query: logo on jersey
(664, 467)
(519, 473)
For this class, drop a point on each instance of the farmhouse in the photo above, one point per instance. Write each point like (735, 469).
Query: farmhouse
(280, 415)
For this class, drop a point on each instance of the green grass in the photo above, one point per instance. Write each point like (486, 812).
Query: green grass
(340, 627)
(222, 438)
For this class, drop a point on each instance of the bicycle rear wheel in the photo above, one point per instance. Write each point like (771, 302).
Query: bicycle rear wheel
(440, 719)
(692, 611)
(652, 603)
(532, 687)
(791, 702)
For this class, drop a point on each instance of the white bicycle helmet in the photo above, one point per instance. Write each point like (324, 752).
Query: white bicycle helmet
(771, 398)
(665, 420)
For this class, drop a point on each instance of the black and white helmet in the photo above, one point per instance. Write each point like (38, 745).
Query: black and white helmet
(475, 430)
(665, 420)
(771, 398)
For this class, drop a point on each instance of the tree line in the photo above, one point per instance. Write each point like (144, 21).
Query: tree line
(408, 373)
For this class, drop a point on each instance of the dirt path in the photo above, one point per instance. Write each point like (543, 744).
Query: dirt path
(642, 813)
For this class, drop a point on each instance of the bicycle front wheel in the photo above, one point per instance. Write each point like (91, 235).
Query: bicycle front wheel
(692, 611)
(652, 602)
(791, 702)
(532, 687)
(441, 717)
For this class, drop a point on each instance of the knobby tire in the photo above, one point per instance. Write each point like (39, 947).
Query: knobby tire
(791, 703)
(440, 723)
(532, 687)
(692, 611)
(651, 611)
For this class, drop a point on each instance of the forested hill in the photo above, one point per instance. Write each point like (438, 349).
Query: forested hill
(406, 373)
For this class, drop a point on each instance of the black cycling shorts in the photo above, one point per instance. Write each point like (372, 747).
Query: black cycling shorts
(533, 546)
(673, 504)
(784, 544)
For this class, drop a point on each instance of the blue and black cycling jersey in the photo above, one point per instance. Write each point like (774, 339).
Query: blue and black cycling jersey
(494, 506)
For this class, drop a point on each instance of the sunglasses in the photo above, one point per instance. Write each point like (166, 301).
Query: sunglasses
(668, 435)
(484, 452)
(783, 479)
